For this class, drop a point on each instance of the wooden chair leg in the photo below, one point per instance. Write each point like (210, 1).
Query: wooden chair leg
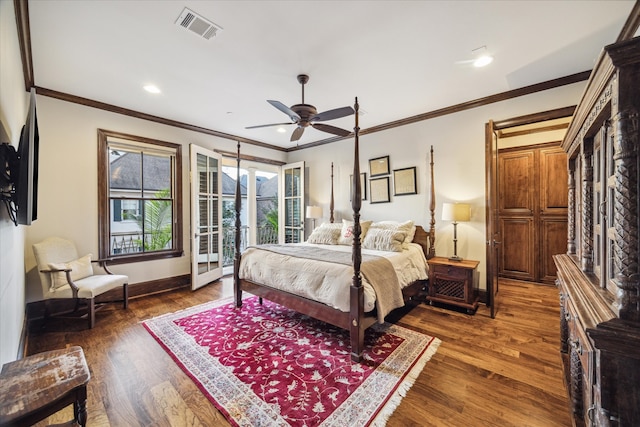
(45, 316)
(80, 406)
(125, 295)
(92, 312)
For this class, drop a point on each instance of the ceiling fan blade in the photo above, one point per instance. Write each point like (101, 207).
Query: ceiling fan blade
(297, 134)
(272, 124)
(331, 129)
(288, 111)
(332, 114)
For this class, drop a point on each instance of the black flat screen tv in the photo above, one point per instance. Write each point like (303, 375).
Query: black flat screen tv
(26, 183)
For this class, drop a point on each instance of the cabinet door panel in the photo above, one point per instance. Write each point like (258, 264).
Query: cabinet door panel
(518, 247)
(517, 175)
(554, 194)
(553, 235)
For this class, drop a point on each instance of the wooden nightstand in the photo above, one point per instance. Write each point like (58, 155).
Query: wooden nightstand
(453, 282)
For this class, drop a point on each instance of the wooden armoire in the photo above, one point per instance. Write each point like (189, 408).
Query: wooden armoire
(532, 210)
(599, 276)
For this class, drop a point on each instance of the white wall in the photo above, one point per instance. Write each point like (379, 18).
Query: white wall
(68, 182)
(68, 176)
(13, 111)
(459, 157)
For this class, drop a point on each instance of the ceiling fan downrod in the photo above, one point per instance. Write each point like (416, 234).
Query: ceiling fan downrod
(303, 79)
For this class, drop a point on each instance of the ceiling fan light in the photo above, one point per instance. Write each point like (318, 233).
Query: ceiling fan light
(483, 61)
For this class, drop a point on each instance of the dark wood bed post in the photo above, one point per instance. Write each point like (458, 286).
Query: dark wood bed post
(331, 206)
(432, 209)
(357, 290)
(237, 291)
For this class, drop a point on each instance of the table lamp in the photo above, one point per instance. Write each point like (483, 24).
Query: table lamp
(456, 212)
(314, 212)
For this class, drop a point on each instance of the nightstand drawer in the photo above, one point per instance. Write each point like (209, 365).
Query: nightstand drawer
(450, 271)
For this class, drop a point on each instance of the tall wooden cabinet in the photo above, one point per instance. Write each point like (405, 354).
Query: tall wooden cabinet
(599, 277)
(532, 210)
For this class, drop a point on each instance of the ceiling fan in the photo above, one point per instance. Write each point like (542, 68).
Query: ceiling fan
(305, 115)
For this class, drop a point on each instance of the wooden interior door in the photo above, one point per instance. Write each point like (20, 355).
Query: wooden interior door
(493, 230)
(533, 210)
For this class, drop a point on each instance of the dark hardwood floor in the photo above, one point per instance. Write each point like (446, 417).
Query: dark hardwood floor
(487, 372)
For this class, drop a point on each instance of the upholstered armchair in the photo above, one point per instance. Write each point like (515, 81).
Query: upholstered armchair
(64, 275)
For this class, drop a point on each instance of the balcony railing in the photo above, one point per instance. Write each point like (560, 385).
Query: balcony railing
(266, 234)
(229, 243)
(130, 243)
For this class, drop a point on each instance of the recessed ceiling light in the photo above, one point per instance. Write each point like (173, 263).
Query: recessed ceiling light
(152, 88)
(281, 130)
(483, 61)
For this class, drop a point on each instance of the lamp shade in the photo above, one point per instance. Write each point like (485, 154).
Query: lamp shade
(456, 212)
(314, 212)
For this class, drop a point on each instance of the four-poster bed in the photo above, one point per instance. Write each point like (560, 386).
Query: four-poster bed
(355, 319)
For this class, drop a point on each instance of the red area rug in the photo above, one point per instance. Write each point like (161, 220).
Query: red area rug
(266, 365)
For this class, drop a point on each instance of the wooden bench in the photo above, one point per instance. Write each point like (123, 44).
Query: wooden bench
(38, 386)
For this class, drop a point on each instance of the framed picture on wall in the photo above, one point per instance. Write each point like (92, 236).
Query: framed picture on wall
(363, 186)
(379, 166)
(380, 190)
(404, 181)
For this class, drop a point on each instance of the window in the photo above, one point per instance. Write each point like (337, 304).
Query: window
(140, 203)
(126, 210)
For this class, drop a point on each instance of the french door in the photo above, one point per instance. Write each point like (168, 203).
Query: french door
(291, 227)
(206, 216)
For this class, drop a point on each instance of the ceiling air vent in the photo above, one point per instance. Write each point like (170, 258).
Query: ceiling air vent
(201, 26)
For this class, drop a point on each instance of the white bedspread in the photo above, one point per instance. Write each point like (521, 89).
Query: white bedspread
(326, 282)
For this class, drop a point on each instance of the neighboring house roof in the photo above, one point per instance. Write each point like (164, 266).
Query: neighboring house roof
(268, 188)
(229, 186)
(264, 187)
(125, 173)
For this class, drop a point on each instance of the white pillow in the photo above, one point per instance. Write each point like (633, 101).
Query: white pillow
(332, 225)
(326, 234)
(384, 240)
(346, 234)
(80, 268)
(406, 227)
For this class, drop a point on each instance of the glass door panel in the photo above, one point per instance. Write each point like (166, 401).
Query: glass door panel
(206, 216)
(291, 223)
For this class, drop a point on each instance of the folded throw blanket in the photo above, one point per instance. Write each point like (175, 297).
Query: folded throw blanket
(378, 271)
